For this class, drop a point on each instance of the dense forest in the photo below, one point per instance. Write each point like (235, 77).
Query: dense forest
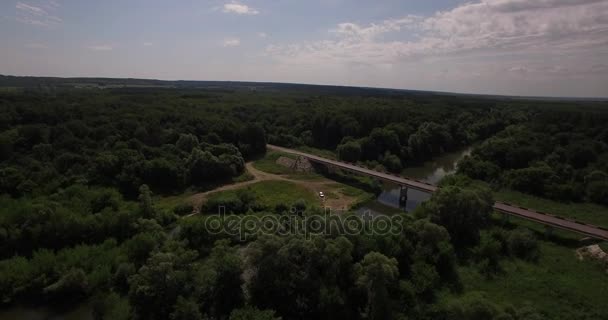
(561, 155)
(80, 169)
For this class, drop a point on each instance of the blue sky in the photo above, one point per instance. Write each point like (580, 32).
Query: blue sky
(520, 47)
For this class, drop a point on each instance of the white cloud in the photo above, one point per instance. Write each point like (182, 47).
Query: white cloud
(239, 8)
(147, 44)
(262, 35)
(353, 31)
(53, 4)
(491, 27)
(31, 9)
(103, 47)
(36, 15)
(231, 42)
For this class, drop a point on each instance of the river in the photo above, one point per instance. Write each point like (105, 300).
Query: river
(432, 171)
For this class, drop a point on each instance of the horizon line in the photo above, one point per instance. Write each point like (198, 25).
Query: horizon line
(586, 98)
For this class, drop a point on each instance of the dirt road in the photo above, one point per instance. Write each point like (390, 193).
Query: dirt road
(335, 199)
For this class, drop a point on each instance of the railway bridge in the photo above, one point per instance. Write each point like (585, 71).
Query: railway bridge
(546, 219)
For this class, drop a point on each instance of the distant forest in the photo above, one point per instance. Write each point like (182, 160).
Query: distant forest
(81, 159)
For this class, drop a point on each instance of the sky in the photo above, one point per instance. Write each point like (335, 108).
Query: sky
(511, 47)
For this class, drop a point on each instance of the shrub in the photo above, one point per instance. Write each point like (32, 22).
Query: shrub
(183, 209)
(523, 244)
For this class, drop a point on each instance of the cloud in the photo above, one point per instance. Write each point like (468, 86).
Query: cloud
(353, 31)
(36, 46)
(36, 15)
(147, 44)
(52, 4)
(519, 69)
(240, 9)
(262, 35)
(31, 9)
(104, 47)
(598, 69)
(490, 27)
(231, 42)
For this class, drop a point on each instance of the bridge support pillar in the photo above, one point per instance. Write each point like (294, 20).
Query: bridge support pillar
(505, 218)
(403, 195)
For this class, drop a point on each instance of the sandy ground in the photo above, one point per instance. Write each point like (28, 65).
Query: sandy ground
(337, 200)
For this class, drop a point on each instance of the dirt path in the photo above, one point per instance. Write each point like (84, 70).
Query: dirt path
(199, 198)
(335, 199)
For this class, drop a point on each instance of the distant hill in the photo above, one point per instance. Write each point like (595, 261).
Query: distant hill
(111, 83)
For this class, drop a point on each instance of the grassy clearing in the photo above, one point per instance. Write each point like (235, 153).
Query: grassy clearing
(269, 163)
(271, 193)
(339, 190)
(585, 212)
(306, 176)
(351, 191)
(170, 202)
(245, 176)
(559, 285)
(9, 89)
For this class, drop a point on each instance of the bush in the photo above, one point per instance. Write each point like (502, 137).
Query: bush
(488, 254)
(597, 191)
(523, 244)
(349, 151)
(183, 209)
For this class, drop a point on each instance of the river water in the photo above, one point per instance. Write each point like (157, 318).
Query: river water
(432, 171)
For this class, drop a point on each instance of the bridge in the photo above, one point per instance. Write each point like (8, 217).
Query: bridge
(546, 219)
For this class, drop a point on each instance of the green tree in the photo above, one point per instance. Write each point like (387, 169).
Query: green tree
(392, 162)
(227, 292)
(252, 313)
(157, 285)
(523, 244)
(488, 254)
(146, 206)
(187, 142)
(161, 174)
(350, 151)
(185, 309)
(377, 274)
(111, 307)
(252, 140)
(463, 212)
(73, 283)
(597, 191)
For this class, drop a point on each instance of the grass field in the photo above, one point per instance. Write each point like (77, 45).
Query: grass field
(271, 193)
(269, 163)
(306, 176)
(167, 203)
(9, 89)
(559, 285)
